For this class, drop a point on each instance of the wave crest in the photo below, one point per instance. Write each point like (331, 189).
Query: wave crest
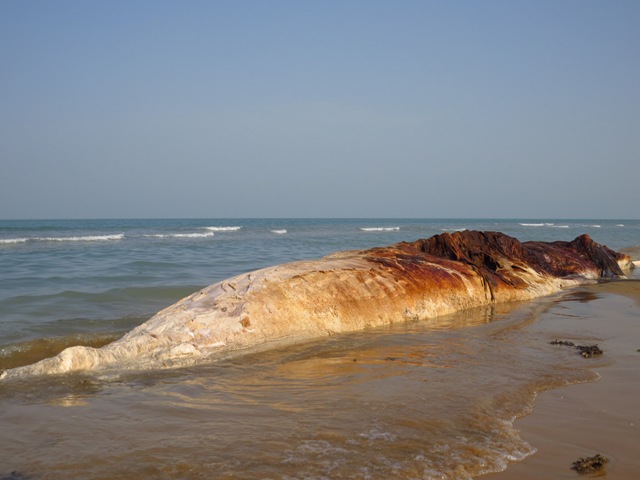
(223, 229)
(81, 238)
(181, 235)
(379, 229)
(8, 241)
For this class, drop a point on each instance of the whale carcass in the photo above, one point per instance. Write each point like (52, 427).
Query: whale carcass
(344, 292)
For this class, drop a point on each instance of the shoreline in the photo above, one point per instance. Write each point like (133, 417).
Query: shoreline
(592, 418)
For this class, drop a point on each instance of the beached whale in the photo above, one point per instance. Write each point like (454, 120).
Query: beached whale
(344, 292)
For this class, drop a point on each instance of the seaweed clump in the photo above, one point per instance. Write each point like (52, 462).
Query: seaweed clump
(590, 464)
(587, 351)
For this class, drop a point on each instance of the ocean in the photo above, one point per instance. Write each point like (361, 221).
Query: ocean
(428, 399)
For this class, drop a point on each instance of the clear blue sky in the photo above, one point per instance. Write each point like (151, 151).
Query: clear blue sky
(319, 108)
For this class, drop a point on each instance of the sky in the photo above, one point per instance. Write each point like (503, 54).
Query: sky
(274, 108)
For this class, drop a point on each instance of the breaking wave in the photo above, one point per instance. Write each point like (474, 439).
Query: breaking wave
(180, 235)
(13, 240)
(551, 225)
(223, 229)
(82, 238)
(379, 229)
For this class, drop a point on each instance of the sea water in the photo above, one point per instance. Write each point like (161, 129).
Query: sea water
(430, 399)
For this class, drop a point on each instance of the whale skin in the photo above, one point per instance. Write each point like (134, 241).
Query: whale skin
(343, 292)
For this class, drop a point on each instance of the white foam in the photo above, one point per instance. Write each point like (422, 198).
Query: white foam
(560, 226)
(314, 448)
(13, 240)
(279, 232)
(181, 235)
(453, 229)
(193, 235)
(83, 238)
(379, 229)
(377, 435)
(223, 229)
(592, 226)
(532, 224)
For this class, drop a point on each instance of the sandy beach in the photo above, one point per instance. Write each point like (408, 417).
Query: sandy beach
(601, 417)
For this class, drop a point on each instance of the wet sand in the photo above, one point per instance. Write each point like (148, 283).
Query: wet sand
(586, 419)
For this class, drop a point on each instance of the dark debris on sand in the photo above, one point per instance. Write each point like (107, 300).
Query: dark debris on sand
(587, 351)
(15, 475)
(590, 464)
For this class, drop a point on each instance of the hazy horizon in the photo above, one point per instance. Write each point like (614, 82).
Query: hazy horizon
(542, 219)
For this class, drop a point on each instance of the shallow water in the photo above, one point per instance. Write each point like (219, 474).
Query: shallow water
(592, 418)
(421, 400)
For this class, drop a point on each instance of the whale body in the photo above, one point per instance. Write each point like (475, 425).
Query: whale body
(343, 292)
